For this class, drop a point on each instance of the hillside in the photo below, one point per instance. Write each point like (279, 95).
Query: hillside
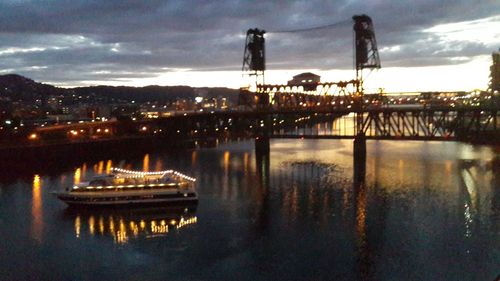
(18, 88)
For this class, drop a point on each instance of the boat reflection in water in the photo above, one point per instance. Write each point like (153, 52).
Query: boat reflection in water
(126, 224)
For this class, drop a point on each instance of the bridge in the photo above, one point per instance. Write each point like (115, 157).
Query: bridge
(308, 109)
(329, 122)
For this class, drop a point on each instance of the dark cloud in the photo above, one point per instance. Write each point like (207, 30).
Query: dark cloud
(73, 41)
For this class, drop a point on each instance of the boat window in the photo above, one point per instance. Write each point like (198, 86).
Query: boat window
(97, 182)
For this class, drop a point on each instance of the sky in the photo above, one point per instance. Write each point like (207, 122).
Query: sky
(423, 45)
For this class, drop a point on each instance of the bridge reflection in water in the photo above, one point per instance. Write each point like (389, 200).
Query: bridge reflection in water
(316, 192)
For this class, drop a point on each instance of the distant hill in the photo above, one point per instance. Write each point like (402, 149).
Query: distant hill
(18, 88)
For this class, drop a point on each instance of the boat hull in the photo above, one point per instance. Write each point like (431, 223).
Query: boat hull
(128, 200)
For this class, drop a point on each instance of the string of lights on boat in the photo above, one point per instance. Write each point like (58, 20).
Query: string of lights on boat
(162, 173)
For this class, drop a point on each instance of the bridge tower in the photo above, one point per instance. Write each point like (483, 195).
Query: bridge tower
(365, 57)
(254, 58)
(494, 85)
(366, 52)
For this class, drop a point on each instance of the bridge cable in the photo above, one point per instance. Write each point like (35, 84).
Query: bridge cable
(327, 26)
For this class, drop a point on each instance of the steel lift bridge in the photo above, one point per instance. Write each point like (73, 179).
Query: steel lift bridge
(297, 111)
(316, 94)
(343, 98)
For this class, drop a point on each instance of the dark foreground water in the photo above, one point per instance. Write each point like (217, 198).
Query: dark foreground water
(426, 211)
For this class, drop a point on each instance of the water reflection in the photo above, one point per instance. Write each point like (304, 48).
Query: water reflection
(98, 168)
(109, 165)
(84, 170)
(78, 176)
(306, 187)
(124, 225)
(193, 158)
(36, 209)
(145, 163)
(158, 165)
(290, 214)
(473, 195)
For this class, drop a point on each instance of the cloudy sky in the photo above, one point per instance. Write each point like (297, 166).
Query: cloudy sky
(423, 45)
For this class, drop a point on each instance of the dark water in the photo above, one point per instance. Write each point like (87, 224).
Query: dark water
(426, 211)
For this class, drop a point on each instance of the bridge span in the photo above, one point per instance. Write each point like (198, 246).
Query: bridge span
(433, 123)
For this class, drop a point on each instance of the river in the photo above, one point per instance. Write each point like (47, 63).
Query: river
(425, 211)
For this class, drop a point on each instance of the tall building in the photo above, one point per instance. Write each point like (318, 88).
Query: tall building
(495, 73)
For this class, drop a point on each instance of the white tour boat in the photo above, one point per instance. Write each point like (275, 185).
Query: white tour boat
(126, 187)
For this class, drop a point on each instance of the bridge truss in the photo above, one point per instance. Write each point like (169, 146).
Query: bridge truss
(321, 93)
(324, 94)
(389, 123)
(430, 123)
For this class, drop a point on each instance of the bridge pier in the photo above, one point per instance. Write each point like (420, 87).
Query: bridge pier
(262, 139)
(262, 146)
(359, 158)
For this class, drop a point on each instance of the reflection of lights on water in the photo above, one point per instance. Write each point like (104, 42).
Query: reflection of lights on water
(183, 222)
(158, 165)
(468, 220)
(111, 225)
(77, 226)
(361, 215)
(77, 177)
(401, 166)
(84, 170)
(226, 160)
(91, 225)
(36, 209)
(135, 229)
(109, 165)
(100, 167)
(245, 162)
(193, 157)
(122, 230)
(162, 228)
(121, 237)
(448, 166)
(101, 225)
(145, 163)
(225, 181)
(470, 186)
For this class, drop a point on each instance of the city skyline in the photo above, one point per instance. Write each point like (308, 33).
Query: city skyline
(426, 46)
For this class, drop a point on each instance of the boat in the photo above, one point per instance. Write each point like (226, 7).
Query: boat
(131, 188)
